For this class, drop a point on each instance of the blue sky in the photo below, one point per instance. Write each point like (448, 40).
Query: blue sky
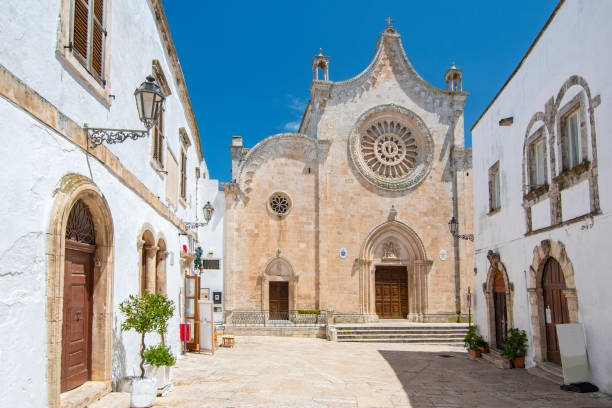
(247, 63)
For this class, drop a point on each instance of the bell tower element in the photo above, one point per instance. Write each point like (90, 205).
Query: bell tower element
(454, 79)
(320, 62)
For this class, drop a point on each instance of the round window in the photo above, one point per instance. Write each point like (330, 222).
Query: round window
(280, 204)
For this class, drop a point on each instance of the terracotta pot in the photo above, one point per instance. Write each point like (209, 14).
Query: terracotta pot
(474, 353)
(483, 350)
(518, 362)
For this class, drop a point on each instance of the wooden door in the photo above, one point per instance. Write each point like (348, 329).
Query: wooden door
(279, 300)
(391, 292)
(77, 315)
(499, 300)
(192, 315)
(555, 307)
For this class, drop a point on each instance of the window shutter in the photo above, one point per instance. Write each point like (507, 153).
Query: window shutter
(183, 173)
(97, 48)
(80, 26)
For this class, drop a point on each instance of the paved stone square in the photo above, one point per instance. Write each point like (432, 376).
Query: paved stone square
(306, 372)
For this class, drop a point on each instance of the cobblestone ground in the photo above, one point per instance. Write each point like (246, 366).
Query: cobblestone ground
(298, 372)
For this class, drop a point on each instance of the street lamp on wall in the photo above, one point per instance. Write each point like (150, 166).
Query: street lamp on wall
(207, 211)
(149, 99)
(453, 226)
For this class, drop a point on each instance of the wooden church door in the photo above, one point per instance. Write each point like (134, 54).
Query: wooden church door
(555, 307)
(499, 299)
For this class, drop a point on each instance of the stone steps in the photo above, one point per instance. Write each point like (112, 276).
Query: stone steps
(451, 334)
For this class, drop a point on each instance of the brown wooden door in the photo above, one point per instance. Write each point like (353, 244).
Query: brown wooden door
(391, 292)
(77, 315)
(279, 300)
(499, 300)
(192, 314)
(555, 307)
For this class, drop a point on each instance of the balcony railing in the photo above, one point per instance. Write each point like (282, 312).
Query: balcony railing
(267, 318)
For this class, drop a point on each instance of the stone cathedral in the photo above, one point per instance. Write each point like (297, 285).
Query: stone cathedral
(352, 212)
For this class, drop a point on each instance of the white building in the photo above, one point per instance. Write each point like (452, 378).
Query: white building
(104, 222)
(542, 197)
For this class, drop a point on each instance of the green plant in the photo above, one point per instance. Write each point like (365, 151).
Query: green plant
(197, 262)
(470, 337)
(481, 342)
(145, 314)
(516, 344)
(313, 312)
(159, 355)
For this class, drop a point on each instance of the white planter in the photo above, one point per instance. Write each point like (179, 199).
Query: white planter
(162, 374)
(143, 391)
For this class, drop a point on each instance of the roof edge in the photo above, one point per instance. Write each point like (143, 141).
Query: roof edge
(533, 44)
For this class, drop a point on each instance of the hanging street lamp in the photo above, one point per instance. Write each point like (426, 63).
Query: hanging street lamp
(453, 227)
(207, 211)
(149, 100)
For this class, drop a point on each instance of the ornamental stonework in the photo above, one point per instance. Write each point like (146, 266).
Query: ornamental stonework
(391, 147)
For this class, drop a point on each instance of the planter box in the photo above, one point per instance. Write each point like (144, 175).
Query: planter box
(143, 391)
(483, 350)
(518, 362)
(161, 374)
(474, 353)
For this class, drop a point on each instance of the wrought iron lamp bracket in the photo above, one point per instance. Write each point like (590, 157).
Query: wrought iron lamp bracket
(468, 237)
(97, 136)
(194, 225)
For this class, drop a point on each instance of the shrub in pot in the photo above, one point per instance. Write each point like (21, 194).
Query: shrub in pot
(142, 316)
(482, 344)
(159, 358)
(516, 347)
(470, 341)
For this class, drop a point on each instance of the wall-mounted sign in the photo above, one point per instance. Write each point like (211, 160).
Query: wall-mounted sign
(217, 309)
(342, 253)
(216, 297)
(443, 255)
(210, 252)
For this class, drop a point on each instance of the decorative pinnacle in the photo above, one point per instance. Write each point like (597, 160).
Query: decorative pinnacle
(453, 65)
(389, 21)
(321, 51)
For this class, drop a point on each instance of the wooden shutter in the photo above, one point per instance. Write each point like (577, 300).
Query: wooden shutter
(183, 173)
(97, 43)
(80, 32)
(158, 138)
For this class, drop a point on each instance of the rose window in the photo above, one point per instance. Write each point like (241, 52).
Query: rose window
(391, 147)
(279, 204)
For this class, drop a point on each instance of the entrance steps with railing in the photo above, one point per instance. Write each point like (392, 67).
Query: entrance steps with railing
(403, 332)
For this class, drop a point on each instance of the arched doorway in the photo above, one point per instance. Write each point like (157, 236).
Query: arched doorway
(555, 307)
(79, 287)
(278, 288)
(499, 301)
(78, 297)
(393, 270)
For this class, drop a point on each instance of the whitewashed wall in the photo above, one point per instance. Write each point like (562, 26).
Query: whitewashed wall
(575, 43)
(211, 239)
(35, 158)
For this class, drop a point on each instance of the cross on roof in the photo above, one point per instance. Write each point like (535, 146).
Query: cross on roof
(389, 21)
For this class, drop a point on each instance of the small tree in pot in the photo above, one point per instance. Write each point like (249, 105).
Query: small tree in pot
(471, 341)
(142, 315)
(515, 348)
(159, 358)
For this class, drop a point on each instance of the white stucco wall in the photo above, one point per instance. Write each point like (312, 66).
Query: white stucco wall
(35, 159)
(211, 239)
(575, 43)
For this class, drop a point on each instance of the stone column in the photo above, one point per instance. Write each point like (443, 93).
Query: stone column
(161, 278)
(150, 252)
(420, 269)
(536, 321)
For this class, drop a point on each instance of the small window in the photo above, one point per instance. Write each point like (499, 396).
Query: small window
(572, 130)
(494, 188)
(88, 35)
(537, 161)
(279, 204)
(210, 264)
(183, 182)
(158, 139)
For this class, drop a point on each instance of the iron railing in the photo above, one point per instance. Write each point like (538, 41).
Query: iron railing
(267, 318)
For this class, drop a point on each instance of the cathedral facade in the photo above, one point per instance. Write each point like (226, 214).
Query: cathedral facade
(352, 212)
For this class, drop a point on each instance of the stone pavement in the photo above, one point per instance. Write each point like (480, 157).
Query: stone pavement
(308, 372)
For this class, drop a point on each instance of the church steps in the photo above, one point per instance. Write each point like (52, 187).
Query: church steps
(451, 334)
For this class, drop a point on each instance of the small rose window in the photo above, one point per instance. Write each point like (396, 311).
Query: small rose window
(279, 204)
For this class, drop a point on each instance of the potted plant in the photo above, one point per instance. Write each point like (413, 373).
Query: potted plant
(516, 347)
(140, 317)
(470, 341)
(159, 359)
(482, 344)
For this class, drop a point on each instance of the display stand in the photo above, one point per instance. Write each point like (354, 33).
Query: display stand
(207, 333)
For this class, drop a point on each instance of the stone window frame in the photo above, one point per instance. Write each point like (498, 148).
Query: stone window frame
(539, 136)
(565, 172)
(99, 88)
(157, 143)
(494, 174)
(182, 182)
(272, 211)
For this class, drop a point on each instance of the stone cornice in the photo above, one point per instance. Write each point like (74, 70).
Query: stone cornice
(164, 30)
